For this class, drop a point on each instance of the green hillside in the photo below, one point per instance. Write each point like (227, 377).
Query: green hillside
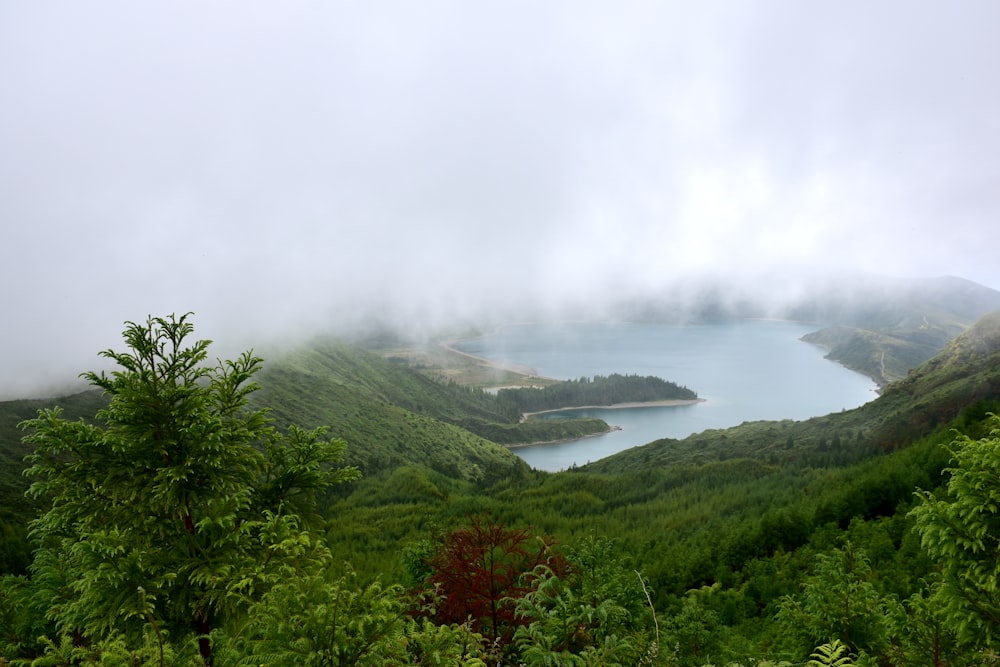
(749, 541)
(394, 415)
(391, 416)
(885, 327)
(13, 450)
(734, 519)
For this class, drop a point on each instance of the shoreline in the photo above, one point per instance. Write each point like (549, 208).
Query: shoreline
(666, 403)
(542, 443)
(517, 369)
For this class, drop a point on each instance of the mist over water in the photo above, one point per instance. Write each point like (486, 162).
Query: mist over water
(746, 371)
(301, 168)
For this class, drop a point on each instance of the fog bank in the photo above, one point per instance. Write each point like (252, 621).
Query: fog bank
(286, 169)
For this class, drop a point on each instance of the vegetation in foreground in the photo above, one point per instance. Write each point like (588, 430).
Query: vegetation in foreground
(185, 525)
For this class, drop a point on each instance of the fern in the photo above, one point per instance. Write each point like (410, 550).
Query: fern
(834, 654)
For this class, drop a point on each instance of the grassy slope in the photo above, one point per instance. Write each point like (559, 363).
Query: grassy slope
(883, 356)
(12, 450)
(389, 415)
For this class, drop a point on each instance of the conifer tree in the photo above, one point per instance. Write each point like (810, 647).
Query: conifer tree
(960, 529)
(177, 506)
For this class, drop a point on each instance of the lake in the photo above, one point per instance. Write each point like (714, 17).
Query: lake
(746, 370)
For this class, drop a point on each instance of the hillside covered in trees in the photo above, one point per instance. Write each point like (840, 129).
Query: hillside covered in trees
(191, 518)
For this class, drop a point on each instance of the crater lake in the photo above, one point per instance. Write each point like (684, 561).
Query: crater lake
(745, 370)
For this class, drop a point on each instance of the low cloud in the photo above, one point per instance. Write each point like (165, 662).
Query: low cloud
(285, 170)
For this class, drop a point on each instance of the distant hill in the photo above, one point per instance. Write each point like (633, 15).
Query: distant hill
(964, 373)
(877, 325)
(13, 451)
(885, 327)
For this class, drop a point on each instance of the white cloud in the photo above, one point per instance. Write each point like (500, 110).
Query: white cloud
(276, 167)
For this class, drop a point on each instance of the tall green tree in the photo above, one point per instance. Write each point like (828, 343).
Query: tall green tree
(695, 629)
(839, 601)
(960, 529)
(176, 506)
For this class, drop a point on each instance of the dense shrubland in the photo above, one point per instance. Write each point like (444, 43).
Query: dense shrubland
(183, 525)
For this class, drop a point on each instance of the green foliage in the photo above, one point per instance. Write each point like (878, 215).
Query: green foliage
(834, 654)
(16, 509)
(315, 622)
(960, 529)
(744, 536)
(534, 431)
(695, 629)
(922, 634)
(590, 615)
(839, 600)
(323, 620)
(177, 508)
(392, 415)
(14, 548)
(443, 645)
(601, 390)
(117, 652)
(741, 533)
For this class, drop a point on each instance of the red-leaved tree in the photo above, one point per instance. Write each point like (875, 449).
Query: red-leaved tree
(480, 571)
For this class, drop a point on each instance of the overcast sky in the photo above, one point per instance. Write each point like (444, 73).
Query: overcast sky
(279, 166)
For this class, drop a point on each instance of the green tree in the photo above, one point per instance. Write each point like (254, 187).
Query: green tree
(960, 529)
(590, 615)
(838, 601)
(921, 634)
(177, 506)
(695, 629)
(320, 622)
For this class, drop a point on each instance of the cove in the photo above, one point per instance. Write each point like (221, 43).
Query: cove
(746, 370)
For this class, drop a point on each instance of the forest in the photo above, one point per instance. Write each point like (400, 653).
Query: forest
(602, 390)
(328, 508)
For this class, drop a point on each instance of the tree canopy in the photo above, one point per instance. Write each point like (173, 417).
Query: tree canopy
(960, 529)
(176, 506)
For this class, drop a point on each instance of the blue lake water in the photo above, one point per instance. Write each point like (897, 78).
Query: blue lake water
(746, 370)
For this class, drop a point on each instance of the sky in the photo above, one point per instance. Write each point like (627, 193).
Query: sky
(286, 168)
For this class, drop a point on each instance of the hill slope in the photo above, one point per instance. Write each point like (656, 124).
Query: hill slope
(12, 450)
(389, 415)
(885, 327)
